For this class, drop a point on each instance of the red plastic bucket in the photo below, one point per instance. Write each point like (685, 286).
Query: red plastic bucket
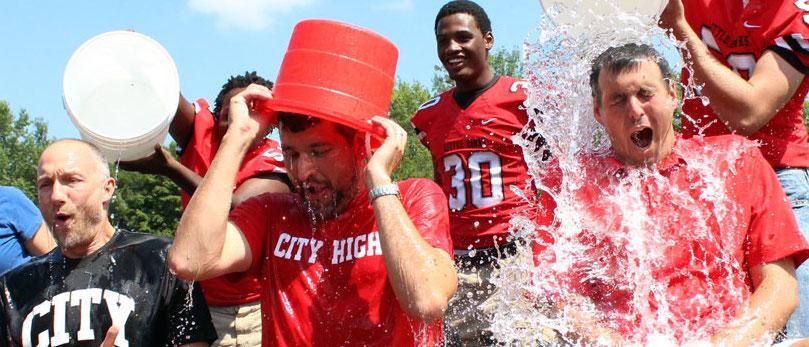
(337, 72)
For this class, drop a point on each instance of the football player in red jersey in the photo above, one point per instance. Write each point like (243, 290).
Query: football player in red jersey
(235, 307)
(468, 131)
(752, 57)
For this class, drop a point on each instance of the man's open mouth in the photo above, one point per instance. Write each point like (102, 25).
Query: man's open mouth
(62, 218)
(642, 138)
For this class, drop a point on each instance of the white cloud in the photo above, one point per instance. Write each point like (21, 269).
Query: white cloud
(396, 5)
(246, 14)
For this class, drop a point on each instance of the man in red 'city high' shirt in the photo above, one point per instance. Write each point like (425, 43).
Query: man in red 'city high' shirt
(234, 305)
(350, 258)
(752, 57)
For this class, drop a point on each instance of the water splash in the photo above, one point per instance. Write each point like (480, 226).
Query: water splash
(600, 276)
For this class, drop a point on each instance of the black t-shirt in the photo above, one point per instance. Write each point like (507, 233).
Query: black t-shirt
(58, 301)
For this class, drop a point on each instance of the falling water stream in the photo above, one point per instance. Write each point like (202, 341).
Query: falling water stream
(613, 227)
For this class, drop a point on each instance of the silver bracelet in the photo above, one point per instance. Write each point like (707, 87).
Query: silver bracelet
(387, 189)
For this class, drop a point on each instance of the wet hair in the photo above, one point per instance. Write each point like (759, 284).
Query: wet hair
(100, 158)
(468, 7)
(294, 122)
(239, 81)
(620, 59)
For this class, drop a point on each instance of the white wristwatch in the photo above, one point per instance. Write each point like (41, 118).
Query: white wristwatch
(387, 189)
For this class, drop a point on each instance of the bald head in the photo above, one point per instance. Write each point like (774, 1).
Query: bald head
(79, 148)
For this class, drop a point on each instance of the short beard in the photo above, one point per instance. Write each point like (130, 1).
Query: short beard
(83, 232)
(335, 206)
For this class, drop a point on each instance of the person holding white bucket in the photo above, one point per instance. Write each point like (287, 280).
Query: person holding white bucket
(352, 258)
(234, 305)
(752, 57)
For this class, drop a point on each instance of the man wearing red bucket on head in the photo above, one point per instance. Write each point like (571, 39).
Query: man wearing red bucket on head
(351, 258)
(751, 58)
(705, 252)
(234, 305)
(468, 130)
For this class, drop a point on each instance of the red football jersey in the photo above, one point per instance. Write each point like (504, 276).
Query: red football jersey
(738, 36)
(197, 156)
(476, 162)
(326, 284)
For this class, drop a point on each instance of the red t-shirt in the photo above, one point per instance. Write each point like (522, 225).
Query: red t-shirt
(738, 37)
(326, 284)
(705, 274)
(476, 162)
(197, 155)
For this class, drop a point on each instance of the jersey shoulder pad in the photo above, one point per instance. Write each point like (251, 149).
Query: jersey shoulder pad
(430, 103)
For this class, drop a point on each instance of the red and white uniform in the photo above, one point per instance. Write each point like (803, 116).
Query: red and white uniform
(755, 226)
(476, 161)
(326, 284)
(197, 156)
(738, 36)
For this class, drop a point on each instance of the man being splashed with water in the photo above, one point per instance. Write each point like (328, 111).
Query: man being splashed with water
(703, 244)
(98, 277)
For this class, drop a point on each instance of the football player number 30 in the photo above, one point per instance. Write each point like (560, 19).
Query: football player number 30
(485, 179)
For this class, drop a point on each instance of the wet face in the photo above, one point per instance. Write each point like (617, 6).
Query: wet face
(324, 167)
(463, 50)
(636, 109)
(73, 193)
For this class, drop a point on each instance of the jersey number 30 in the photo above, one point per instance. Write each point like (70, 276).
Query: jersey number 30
(485, 179)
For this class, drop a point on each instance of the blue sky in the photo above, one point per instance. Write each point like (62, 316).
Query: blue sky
(211, 40)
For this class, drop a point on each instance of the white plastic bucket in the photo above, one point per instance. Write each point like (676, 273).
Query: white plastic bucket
(121, 90)
(594, 17)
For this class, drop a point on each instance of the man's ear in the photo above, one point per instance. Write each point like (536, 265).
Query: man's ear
(672, 88)
(109, 189)
(597, 111)
(488, 39)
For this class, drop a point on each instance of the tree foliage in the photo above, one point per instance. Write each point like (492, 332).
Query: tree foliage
(22, 140)
(146, 203)
(406, 99)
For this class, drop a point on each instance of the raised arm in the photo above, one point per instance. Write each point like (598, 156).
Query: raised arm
(774, 298)
(182, 125)
(743, 105)
(206, 244)
(162, 163)
(423, 277)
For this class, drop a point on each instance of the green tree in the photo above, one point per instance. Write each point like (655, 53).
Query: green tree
(503, 62)
(146, 203)
(406, 99)
(22, 140)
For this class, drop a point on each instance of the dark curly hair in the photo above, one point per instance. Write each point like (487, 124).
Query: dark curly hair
(468, 7)
(239, 81)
